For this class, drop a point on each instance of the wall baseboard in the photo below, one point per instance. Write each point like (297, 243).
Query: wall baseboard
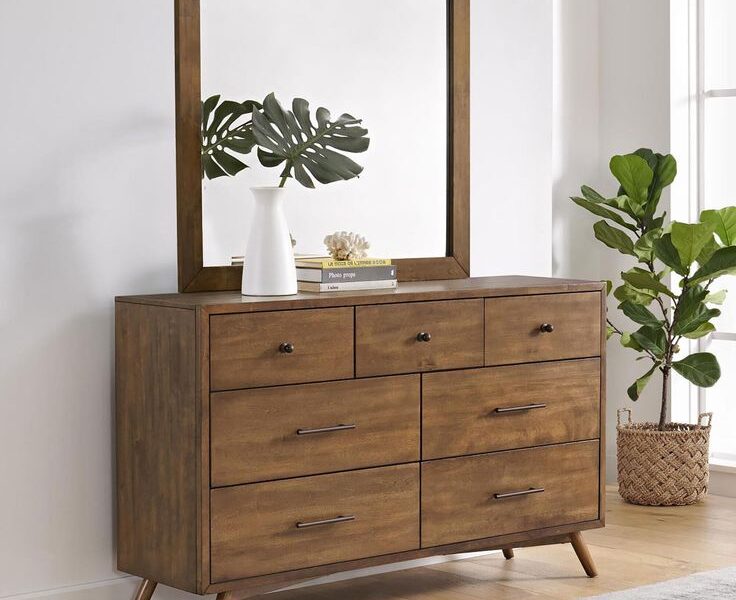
(123, 588)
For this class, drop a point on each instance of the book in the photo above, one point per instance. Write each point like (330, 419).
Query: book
(329, 263)
(352, 286)
(345, 275)
(237, 261)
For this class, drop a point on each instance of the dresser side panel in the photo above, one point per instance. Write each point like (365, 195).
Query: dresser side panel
(156, 417)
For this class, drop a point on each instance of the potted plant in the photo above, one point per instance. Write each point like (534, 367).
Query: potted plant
(304, 150)
(669, 295)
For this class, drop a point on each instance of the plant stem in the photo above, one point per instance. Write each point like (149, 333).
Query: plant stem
(285, 176)
(665, 396)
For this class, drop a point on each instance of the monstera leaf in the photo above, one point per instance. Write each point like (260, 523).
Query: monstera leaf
(304, 148)
(227, 129)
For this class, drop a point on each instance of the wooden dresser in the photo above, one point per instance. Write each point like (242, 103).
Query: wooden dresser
(263, 441)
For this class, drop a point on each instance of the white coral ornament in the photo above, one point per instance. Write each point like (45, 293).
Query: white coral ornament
(346, 246)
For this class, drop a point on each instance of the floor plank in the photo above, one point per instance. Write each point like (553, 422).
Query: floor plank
(640, 545)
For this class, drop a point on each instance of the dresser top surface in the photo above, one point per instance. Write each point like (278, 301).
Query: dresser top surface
(417, 291)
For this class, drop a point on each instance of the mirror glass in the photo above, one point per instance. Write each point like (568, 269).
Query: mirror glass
(382, 61)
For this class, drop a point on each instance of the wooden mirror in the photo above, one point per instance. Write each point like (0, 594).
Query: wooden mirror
(203, 269)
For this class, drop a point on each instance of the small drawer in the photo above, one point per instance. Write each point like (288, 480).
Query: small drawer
(488, 495)
(273, 348)
(547, 327)
(297, 523)
(502, 408)
(274, 433)
(420, 336)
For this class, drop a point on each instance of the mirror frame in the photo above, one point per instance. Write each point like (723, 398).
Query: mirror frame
(195, 277)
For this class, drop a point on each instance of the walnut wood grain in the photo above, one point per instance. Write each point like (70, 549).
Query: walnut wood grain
(246, 349)
(145, 590)
(194, 277)
(514, 334)
(256, 433)
(458, 500)
(460, 407)
(155, 375)
(386, 337)
(254, 527)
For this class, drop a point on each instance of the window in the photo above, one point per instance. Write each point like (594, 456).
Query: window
(710, 182)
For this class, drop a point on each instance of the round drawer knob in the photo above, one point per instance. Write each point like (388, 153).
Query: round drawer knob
(424, 337)
(547, 328)
(286, 348)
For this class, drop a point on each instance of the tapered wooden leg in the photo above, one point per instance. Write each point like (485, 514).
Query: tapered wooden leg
(508, 553)
(224, 596)
(146, 589)
(581, 549)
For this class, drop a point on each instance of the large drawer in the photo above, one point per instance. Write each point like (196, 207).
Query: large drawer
(420, 336)
(297, 523)
(274, 433)
(273, 348)
(507, 492)
(502, 408)
(547, 327)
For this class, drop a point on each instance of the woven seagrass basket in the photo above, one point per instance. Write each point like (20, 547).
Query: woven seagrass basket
(663, 468)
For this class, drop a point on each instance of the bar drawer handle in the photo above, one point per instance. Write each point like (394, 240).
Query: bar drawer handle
(515, 409)
(305, 524)
(324, 429)
(517, 494)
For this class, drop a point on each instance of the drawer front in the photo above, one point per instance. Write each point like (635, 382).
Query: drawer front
(514, 327)
(502, 408)
(297, 523)
(251, 350)
(274, 433)
(388, 337)
(488, 495)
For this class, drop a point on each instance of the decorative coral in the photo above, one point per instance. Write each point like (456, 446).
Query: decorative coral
(346, 246)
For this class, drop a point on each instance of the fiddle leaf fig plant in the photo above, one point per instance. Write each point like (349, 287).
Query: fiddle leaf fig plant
(306, 149)
(227, 130)
(666, 311)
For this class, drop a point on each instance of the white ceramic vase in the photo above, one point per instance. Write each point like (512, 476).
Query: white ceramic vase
(269, 258)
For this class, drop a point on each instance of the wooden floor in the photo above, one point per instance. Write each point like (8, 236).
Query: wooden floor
(639, 545)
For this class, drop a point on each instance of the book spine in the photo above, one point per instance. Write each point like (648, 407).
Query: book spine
(347, 275)
(348, 287)
(342, 264)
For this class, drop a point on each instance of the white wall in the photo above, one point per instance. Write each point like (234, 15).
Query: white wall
(87, 171)
(624, 46)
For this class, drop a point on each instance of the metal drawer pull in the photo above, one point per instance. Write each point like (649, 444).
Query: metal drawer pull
(305, 524)
(324, 429)
(514, 409)
(516, 494)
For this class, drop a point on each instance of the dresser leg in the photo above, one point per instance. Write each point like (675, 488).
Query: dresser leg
(508, 553)
(581, 549)
(224, 596)
(145, 590)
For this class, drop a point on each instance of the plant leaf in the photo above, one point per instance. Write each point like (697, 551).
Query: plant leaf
(701, 331)
(226, 130)
(642, 280)
(628, 292)
(722, 262)
(639, 314)
(627, 341)
(638, 386)
(718, 297)
(665, 251)
(652, 339)
(644, 246)
(701, 368)
(665, 171)
(708, 251)
(723, 222)
(690, 239)
(634, 175)
(614, 238)
(591, 195)
(602, 211)
(309, 150)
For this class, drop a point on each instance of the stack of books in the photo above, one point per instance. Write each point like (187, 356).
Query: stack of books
(328, 275)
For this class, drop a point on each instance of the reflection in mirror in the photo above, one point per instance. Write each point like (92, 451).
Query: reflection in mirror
(382, 61)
